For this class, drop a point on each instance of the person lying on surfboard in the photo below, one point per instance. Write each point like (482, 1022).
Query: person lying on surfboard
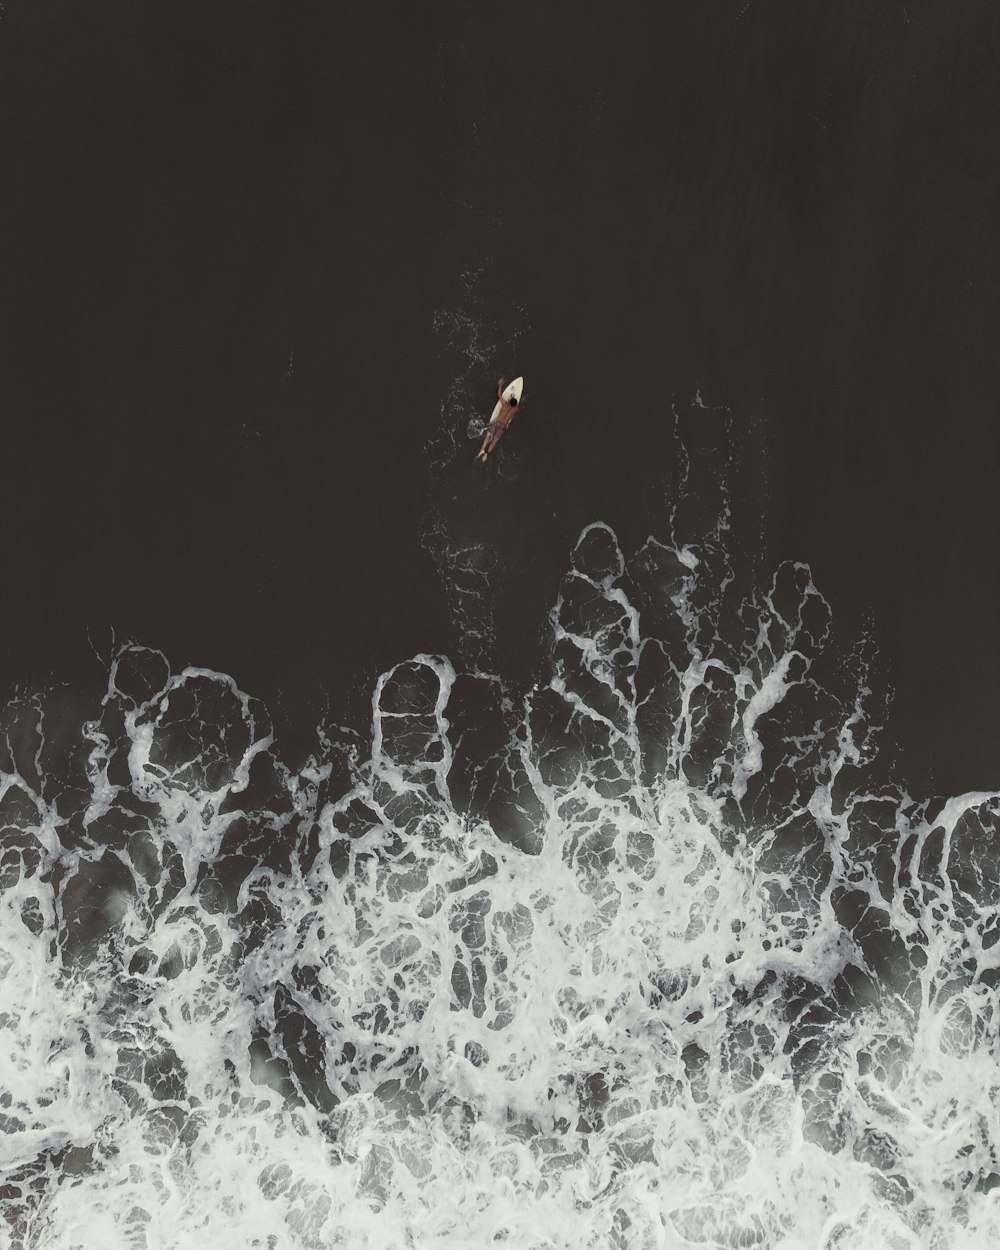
(503, 414)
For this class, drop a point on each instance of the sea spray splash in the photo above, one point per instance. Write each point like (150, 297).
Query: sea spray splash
(640, 962)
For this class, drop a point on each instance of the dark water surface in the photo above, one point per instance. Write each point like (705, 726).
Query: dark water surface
(232, 229)
(558, 898)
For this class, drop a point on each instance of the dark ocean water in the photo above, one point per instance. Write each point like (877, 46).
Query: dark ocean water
(596, 850)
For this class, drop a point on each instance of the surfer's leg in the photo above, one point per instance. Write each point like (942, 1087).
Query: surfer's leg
(490, 440)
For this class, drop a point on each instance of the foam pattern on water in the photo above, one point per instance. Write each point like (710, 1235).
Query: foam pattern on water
(640, 963)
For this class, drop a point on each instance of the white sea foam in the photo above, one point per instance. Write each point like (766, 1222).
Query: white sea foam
(645, 965)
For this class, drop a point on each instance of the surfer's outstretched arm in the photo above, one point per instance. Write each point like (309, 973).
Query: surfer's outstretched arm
(500, 382)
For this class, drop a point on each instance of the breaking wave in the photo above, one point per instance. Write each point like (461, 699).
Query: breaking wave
(635, 960)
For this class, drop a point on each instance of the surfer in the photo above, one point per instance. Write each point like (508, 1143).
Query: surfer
(503, 414)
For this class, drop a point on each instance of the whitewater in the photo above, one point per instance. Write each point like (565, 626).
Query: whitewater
(638, 957)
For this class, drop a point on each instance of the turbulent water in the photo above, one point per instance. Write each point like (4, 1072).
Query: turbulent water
(634, 959)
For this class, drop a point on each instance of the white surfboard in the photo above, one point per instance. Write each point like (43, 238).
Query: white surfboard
(511, 391)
